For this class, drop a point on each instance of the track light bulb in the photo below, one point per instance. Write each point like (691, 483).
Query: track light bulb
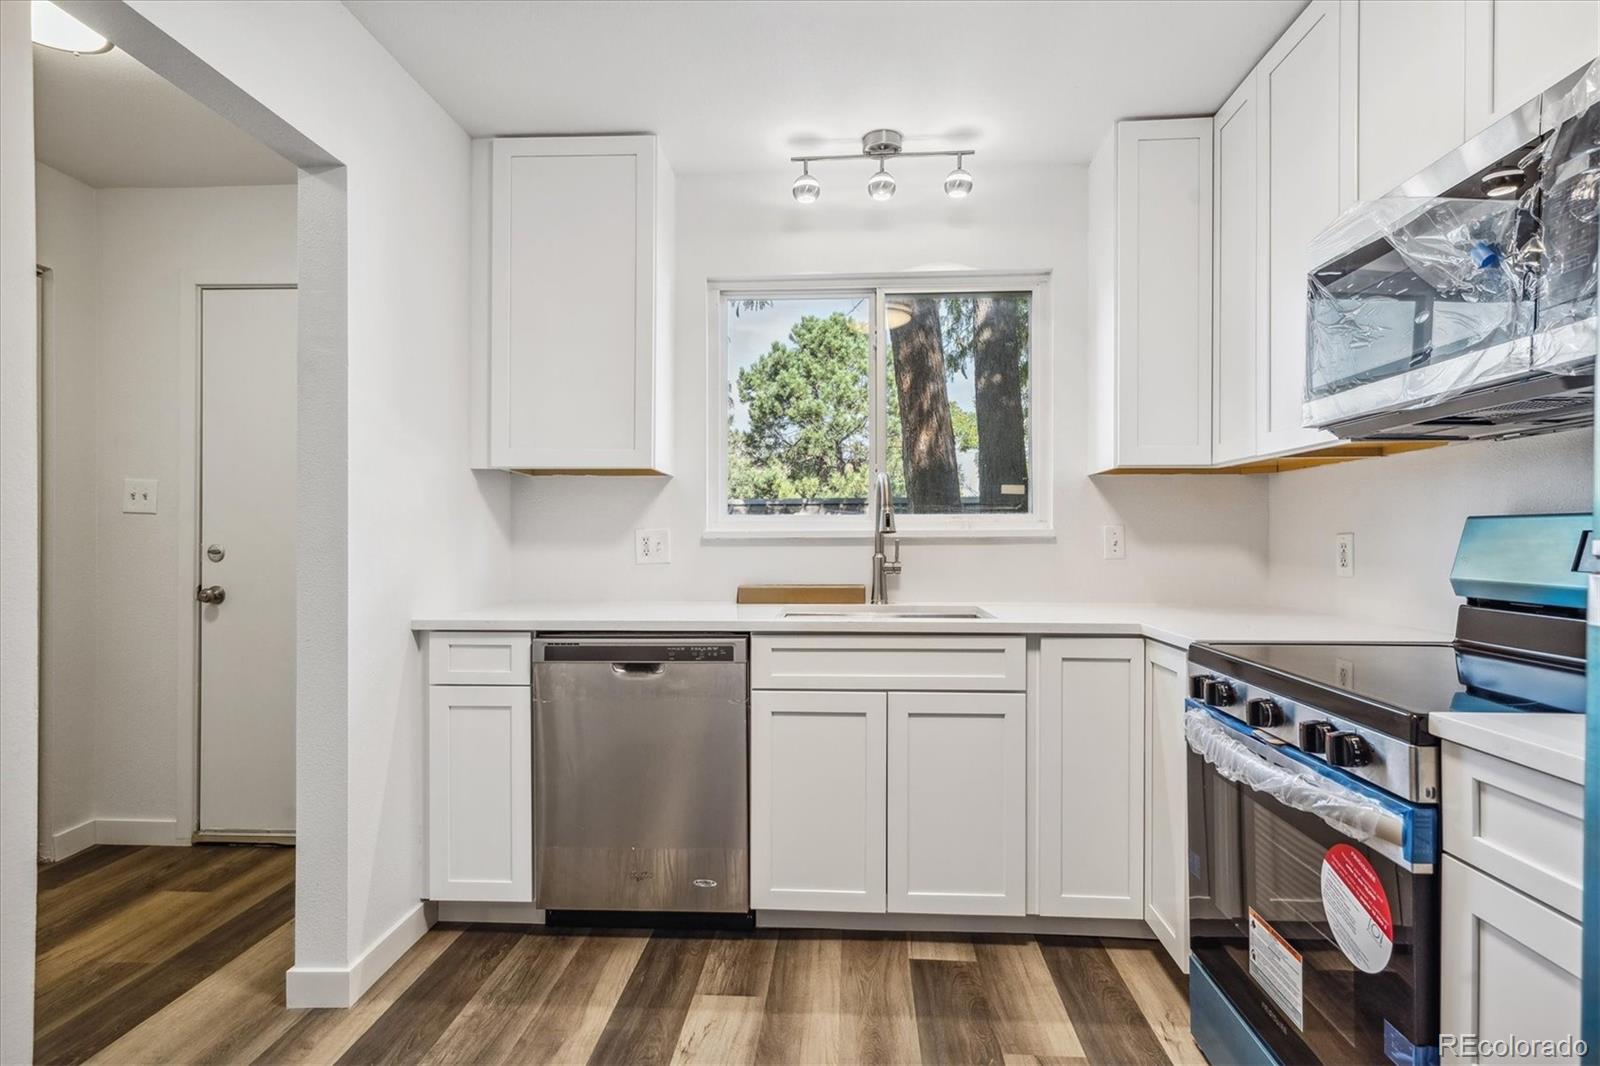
(806, 188)
(881, 185)
(958, 183)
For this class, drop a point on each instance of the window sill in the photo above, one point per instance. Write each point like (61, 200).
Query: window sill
(863, 535)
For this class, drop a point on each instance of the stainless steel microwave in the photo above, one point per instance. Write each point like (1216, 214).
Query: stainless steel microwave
(1462, 305)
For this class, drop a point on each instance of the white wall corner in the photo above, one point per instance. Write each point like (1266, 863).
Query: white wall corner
(342, 986)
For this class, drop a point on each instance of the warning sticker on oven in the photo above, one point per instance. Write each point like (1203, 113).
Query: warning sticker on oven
(1276, 967)
(1357, 908)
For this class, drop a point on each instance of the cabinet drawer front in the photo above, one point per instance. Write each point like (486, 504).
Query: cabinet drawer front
(1508, 965)
(1519, 825)
(478, 658)
(890, 663)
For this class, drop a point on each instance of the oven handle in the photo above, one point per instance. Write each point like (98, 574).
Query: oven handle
(1357, 816)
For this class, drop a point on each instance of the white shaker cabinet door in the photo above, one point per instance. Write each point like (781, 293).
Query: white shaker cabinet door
(1509, 965)
(1166, 801)
(1090, 778)
(480, 793)
(1236, 277)
(957, 802)
(817, 798)
(1308, 145)
(1411, 88)
(577, 308)
(1516, 49)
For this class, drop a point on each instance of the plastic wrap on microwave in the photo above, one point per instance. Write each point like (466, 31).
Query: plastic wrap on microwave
(1565, 200)
(1412, 301)
(1351, 813)
(1415, 299)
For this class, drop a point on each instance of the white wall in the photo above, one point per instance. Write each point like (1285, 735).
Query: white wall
(120, 404)
(69, 244)
(19, 539)
(422, 528)
(1406, 512)
(1187, 537)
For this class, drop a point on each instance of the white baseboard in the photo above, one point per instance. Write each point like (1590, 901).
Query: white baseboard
(335, 986)
(1132, 928)
(152, 832)
(69, 842)
(504, 913)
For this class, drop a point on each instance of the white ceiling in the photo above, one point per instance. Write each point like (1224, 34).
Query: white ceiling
(742, 86)
(111, 122)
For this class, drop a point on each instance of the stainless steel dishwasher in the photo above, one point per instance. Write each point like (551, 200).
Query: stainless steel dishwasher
(640, 780)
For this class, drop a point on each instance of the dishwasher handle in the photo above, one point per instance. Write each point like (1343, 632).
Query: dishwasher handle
(639, 671)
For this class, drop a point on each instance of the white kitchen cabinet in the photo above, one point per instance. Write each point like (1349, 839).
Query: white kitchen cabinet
(818, 762)
(1089, 780)
(579, 305)
(1307, 130)
(1236, 276)
(1150, 235)
(1411, 99)
(480, 793)
(957, 795)
(1166, 801)
(1509, 965)
(1516, 49)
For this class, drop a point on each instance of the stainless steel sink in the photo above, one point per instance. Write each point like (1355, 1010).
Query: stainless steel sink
(887, 611)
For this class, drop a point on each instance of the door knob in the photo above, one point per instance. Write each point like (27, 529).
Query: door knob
(210, 594)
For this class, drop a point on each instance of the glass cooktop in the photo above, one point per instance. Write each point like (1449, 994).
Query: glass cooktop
(1416, 679)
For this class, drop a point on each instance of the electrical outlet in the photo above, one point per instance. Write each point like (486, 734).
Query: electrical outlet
(1344, 561)
(139, 495)
(1112, 544)
(652, 546)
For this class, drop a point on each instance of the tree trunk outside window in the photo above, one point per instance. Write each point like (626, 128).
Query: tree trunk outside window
(927, 440)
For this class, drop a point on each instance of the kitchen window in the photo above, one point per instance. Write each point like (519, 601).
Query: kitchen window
(938, 380)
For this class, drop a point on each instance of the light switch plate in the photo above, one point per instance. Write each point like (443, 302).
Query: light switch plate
(1344, 560)
(139, 495)
(1112, 545)
(652, 547)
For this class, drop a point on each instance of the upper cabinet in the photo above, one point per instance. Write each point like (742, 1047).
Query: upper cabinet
(578, 303)
(1410, 104)
(1307, 117)
(1516, 49)
(1237, 277)
(1150, 234)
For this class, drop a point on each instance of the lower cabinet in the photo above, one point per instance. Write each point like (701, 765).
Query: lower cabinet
(1166, 800)
(1509, 968)
(818, 764)
(480, 793)
(957, 823)
(1089, 853)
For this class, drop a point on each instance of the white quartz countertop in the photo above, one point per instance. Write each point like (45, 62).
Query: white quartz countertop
(1178, 626)
(1548, 742)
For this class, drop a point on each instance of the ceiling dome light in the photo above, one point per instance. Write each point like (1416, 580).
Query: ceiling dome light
(881, 185)
(54, 28)
(806, 188)
(1507, 181)
(958, 183)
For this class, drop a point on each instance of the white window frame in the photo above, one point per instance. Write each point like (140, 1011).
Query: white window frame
(1037, 524)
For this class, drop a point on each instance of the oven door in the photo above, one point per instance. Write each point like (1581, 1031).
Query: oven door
(1313, 901)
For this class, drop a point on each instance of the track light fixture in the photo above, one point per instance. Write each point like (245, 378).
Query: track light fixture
(880, 145)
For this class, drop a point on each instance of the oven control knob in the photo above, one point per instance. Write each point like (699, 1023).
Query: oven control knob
(1219, 693)
(1262, 713)
(1348, 749)
(1314, 737)
(1197, 686)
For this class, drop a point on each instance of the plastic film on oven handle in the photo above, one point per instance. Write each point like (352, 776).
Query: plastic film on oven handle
(1352, 814)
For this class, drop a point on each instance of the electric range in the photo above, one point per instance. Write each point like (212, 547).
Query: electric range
(1314, 793)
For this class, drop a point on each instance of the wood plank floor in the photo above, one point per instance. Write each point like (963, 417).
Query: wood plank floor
(178, 954)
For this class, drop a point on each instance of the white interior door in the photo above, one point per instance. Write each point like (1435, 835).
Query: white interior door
(247, 473)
